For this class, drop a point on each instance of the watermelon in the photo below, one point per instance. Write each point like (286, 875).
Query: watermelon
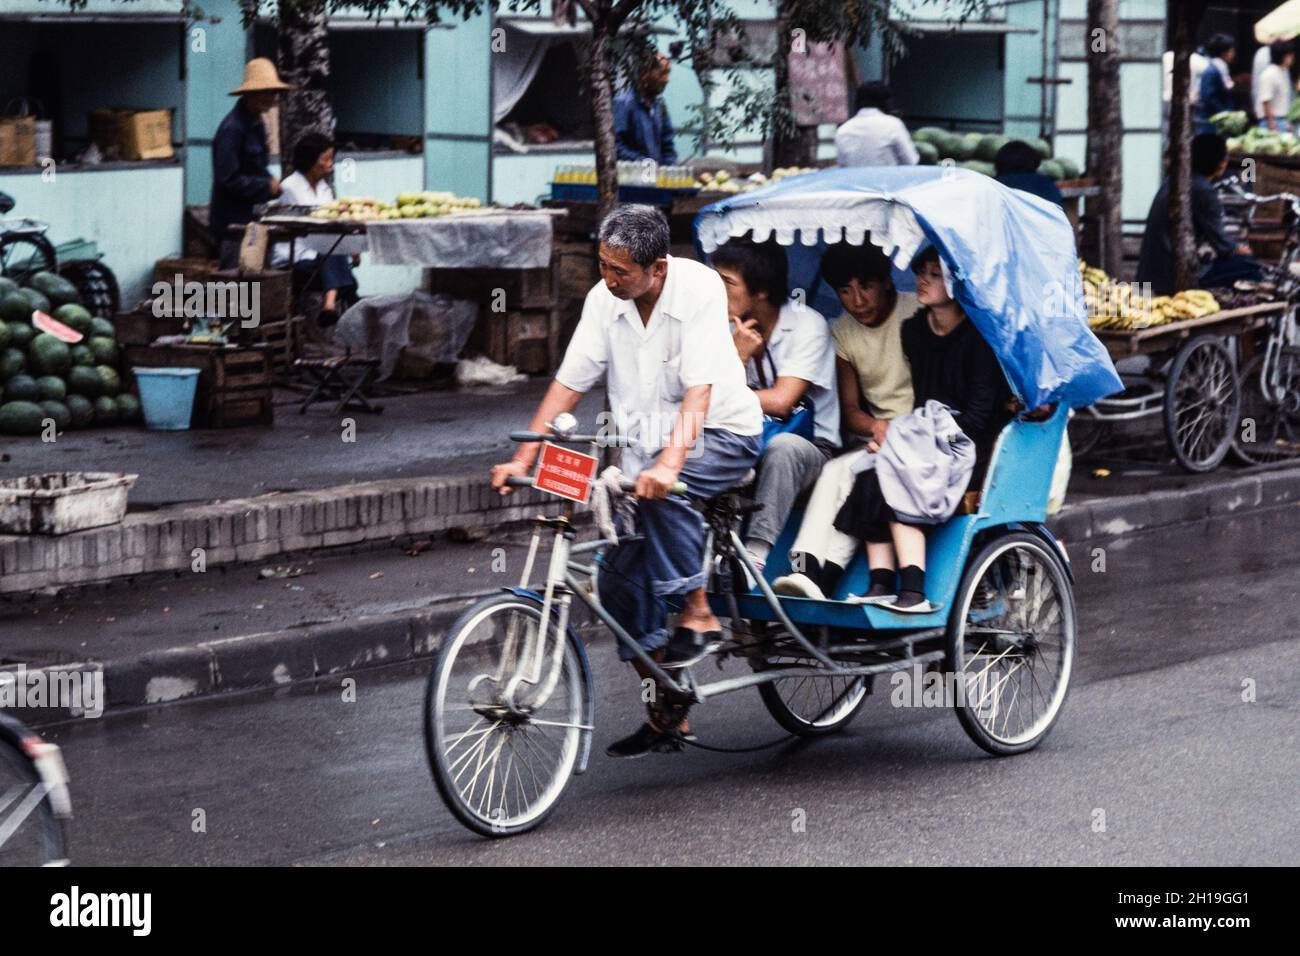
(979, 166)
(12, 362)
(81, 355)
(5, 335)
(49, 324)
(22, 388)
(83, 380)
(49, 355)
(928, 152)
(59, 412)
(1051, 168)
(13, 307)
(929, 134)
(21, 335)
(75, 317)
(960, 148)
(103, 349)
(128, 407)
(105, 411)
(36, 301)
(52, 388)
(987, 150)
(21, 418)
(1041, 147)
(7, 286)
(54, 287)
(110, 383)
(1069, 168)
(102, 327)
(81, 409)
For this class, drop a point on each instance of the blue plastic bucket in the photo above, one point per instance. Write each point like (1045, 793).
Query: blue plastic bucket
(167, 397)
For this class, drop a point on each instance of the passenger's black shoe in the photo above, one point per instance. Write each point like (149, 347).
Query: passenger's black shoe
(646, 739)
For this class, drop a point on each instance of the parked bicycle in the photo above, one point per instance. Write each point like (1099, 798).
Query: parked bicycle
(25, 251)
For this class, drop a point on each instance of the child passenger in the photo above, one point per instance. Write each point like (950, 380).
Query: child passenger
(951, 363)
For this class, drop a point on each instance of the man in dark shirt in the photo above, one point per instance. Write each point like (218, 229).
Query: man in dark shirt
(240, 177)
(642, 129)
(1156, 258)
(1017, 168)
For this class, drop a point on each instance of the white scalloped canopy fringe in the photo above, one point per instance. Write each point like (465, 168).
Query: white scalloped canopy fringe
(813, 217)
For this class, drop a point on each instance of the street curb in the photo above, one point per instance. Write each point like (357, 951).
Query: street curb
(319, 651)
(257, 529)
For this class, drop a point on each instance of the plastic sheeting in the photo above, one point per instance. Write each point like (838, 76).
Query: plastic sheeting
(1010, 257)
(463, 241)
(433, 328)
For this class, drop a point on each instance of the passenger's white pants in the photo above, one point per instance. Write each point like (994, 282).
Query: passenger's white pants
(817, 535)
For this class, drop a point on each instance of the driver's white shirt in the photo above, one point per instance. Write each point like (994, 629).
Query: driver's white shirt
(649, 366)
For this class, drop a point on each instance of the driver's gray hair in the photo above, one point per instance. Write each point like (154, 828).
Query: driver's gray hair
(640, 230)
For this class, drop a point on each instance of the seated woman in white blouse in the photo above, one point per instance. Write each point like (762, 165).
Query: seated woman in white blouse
(313, 163)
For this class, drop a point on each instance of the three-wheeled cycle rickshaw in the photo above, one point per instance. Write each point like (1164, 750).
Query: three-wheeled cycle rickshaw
(509, 711)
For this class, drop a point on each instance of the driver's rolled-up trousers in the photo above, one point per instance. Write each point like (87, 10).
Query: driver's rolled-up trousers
(638, 578)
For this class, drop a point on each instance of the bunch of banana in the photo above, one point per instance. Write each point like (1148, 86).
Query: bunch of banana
(1123, 305)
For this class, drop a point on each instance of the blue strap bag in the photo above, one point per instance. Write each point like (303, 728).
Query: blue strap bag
(799, 422)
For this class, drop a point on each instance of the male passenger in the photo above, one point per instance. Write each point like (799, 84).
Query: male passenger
(655, 328)
(789, 360)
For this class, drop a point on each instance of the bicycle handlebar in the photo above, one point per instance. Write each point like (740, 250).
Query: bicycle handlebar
(519, 481)
(603, 441)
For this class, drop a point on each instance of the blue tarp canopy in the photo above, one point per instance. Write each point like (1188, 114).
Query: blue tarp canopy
(1009, 258)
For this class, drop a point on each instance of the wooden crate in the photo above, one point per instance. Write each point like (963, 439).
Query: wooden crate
(283, 337)
(527, 340)
(274, 287)
(234, 386)
(518, 288)
(141, 326)
(190, 269)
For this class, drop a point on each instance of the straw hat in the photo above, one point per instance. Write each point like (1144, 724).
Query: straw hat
(259, 75)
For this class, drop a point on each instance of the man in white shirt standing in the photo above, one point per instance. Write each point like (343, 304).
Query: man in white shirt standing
(1273, 93)
(656, 329)
(874, 137)
(789, 360)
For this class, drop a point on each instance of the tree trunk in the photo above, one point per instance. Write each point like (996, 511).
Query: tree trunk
(1105, 130)
(602, 114)
(1187, 15)
(304, 56)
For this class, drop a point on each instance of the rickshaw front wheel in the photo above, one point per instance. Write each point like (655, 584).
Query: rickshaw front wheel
(1010, 643)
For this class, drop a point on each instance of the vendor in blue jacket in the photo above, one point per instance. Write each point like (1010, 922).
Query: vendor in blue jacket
(642, 128)
(240, 175)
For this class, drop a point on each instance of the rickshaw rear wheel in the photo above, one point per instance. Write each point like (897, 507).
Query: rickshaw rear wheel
(813, 706)
(1202, 404)
(1011, 643)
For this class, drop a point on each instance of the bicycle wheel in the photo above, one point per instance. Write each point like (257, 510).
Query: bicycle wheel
(812, 706)
(96, 284)
(1011, 643)
(30, 833)
(1087, 432)
(1201, 404)
(22, 255)
(499, 772)
(1269, 429)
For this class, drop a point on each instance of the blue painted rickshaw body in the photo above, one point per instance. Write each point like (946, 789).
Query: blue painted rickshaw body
(1010, 259)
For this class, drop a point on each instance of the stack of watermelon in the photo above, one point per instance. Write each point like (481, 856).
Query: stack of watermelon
(57, 361)
(977, 150)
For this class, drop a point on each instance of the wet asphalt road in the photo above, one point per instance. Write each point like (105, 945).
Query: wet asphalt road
(1155, 741)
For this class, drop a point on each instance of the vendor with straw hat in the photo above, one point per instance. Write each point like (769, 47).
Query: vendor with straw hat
(240, 177)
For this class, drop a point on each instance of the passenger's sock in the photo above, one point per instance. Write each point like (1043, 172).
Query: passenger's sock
(912, 578)
(884, 578)
(828, 577)
(760, 550)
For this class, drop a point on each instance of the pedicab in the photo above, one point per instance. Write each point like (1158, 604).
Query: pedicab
(510, 706)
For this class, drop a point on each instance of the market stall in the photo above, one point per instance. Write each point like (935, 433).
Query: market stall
(1180, 358)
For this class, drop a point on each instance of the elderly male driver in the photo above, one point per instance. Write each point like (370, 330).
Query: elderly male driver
(656, 329)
